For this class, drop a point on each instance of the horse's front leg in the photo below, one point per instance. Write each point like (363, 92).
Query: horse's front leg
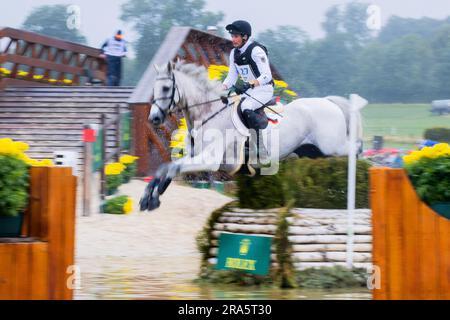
(167, 171)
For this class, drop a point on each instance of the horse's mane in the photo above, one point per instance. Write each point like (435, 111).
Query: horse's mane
(200, 74)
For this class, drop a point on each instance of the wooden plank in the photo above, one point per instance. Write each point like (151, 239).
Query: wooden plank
(40, 272)
(69, 209)
(411, 219)
(48, 41)
(36, 205)
(429, 254)
(38, 113)
(395, 234)
(79, 104)
(67, 94)
(85, 99)
(444, 254)
(48, 121)
(6, 271)
(22, 252)
(38, 63)
(377, 203)
(82, 89)
(54, 231)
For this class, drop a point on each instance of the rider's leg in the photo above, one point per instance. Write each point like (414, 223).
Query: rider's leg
(263, 94)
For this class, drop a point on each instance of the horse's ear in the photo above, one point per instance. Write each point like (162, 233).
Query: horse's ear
(169, 67)
(158, 70)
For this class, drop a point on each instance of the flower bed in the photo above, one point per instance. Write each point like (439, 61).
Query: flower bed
(429, 172)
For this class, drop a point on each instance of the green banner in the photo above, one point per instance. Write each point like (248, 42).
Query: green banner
(125, 131)
(250, 254)
(97, 158)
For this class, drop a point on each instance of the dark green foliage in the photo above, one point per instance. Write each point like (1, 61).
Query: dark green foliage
(431, 179)
(129, 172)
(260, 192)
(210, 275)
(51, 20)
(438, 134)
(285, 273)
(311, 183)
(115, 205)
(113, 182)
(204, 238)
(152, 20)
(333, 277)
(14, 183)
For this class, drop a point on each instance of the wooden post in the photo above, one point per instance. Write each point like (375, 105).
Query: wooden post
(104, 155)
(118, 133)
(87, 174)
(139, 131)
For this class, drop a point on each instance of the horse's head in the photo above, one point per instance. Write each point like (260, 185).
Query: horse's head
(163, 94)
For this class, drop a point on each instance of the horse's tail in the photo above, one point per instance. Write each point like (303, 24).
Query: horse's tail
(344, 105)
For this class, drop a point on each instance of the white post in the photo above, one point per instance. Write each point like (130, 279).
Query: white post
(356, 104)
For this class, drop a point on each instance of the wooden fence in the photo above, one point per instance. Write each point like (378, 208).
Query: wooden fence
(411, 242)
(31, 57)
(35, 265)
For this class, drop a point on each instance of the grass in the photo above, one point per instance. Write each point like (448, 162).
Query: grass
(401, 124)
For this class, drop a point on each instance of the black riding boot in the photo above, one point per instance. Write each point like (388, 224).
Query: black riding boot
(257, 120)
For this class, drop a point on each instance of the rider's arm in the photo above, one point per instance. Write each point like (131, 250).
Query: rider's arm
(262, 61)
(232, 73)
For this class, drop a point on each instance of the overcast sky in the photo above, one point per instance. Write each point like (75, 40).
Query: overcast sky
(99, 18)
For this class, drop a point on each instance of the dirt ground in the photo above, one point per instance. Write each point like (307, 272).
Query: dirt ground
(144, 254)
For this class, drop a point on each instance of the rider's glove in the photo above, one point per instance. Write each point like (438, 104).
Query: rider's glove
(241, 89)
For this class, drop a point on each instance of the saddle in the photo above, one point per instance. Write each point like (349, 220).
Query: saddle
(261, 116)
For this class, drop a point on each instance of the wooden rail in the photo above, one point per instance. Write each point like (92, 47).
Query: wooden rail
(31, 57)
(35, 266)
(411, 242)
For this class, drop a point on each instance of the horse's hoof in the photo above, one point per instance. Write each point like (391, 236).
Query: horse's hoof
(143, 203)
(154, 204)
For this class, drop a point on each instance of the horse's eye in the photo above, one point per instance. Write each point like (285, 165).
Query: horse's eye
(166, 88)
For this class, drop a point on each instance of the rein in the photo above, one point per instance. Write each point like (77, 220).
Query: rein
(187, 107)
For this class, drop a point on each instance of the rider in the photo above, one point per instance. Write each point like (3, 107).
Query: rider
(249, 60)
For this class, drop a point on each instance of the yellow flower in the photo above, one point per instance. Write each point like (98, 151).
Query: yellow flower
(42, 163)
(115, 168)
(215, 72)
(280, 83)
(7, 146)
(291, 93)
(67, 81)
(38, 77)
(52, 80)
(128, 206)
(127, 159)
(438, 150)
(5, 71)
(22, 73)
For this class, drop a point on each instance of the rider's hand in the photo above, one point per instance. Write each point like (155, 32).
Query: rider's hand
(240, 89)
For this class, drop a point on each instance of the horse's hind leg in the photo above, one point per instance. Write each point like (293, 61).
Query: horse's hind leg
(309, 151)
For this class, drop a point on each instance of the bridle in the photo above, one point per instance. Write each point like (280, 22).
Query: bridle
(172, 96)
(173, 103)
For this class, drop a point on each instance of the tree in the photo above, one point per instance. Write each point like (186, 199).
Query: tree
(441, 67)
(397, 72)
(52, 21)
(398, 27)
(152, 19)
(350, 20)
(287, 47)
(331, 65)
(332, 23)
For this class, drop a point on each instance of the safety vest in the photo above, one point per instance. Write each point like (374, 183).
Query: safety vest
(246, 66)
(115, 47)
